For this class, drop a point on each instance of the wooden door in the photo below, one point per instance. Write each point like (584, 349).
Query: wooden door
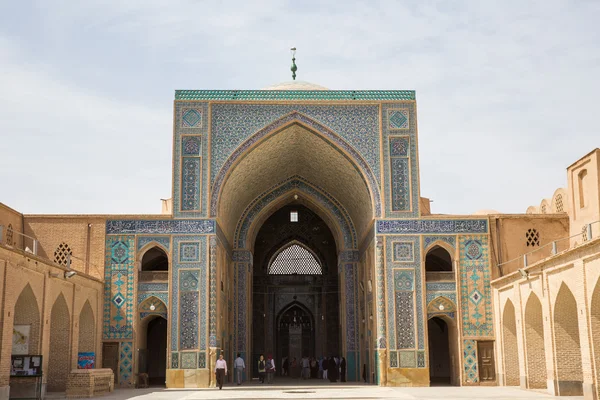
(110, 358)
(487, 369)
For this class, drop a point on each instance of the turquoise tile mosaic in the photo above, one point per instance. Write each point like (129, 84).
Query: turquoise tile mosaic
(252, 95)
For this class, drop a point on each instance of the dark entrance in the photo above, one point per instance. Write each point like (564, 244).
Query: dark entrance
(153, 360)
(295, 288)
(439, 352)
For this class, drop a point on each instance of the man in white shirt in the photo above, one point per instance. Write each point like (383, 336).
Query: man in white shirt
(221, 371)
(239, 367)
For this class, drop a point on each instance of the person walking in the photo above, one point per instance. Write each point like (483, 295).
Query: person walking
(261, 368)
(221, 371)
(239, 366)
(270, 368)
(343, 370)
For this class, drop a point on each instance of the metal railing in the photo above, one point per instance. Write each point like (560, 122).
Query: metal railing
(589, 232)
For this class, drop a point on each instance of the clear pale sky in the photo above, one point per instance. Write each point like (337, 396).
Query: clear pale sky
(507, 91)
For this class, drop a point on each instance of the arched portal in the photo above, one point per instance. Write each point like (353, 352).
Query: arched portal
(87, 330)
(155, 259)
(566, 337)
(534, 339)
(60, 351)
(440, 366)
(295, 335)
(27, 315)
(438, 260)
(152, 340)
(511, 352)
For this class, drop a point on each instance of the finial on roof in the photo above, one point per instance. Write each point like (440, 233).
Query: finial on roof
(294, 68)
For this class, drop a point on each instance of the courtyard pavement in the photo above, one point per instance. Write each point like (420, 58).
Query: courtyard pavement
(315, 390)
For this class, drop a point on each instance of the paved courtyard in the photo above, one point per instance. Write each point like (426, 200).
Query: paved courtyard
(319, 391)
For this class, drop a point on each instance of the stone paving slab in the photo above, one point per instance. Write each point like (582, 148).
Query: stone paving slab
(330, 391)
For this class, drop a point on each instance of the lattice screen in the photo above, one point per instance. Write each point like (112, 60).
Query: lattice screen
(62, 253)
(295, 260)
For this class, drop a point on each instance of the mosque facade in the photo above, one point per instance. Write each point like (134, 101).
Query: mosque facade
(297, 228)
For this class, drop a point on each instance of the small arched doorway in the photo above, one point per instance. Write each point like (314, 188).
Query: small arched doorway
(155, 259)
(440, 365)
(295, 334)
(438, 260)
(153, 350)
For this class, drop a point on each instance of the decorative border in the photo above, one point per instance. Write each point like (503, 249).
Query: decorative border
(407, 245)
(441, 286)
(471, 374)
(350, 299)
(125, 364)
(392, 122)
(119, 287)
(432, 226)
(295, 183)
(348, 95)
(428, 240)
(213, 293)
(184, 248)
(160, 226)
(338, 143)
(164, 241)
(164, 297)
(380, 281)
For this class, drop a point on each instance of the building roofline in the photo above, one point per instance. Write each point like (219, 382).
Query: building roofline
(597, 149)
(254, 95)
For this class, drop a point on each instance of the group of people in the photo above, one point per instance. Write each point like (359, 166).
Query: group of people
(332, 368)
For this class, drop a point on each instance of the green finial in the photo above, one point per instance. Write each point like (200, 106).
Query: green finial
(294, 68)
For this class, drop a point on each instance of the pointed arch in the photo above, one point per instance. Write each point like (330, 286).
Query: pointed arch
(566, 336)
(438, 258)
(509, 338)
(534, 339)
(60, 349)
(147, 246)
(154, 258)
(87, 329)
(327, 207)
(595, 326)
(296, 118)
(27, 313)
(152, 306)
(295, 258)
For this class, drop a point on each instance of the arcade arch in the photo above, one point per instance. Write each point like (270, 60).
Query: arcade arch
(87, 329)
(27, 313)
(60, 353)
(155, 259)
(534, 339)
(509, 339)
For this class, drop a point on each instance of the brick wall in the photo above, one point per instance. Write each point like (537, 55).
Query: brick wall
(88, 383)
(534, 342)
(511, 352)
(87, 330)
(566, 331)
(58, 358)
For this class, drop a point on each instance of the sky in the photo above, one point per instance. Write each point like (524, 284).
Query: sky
(507, 91)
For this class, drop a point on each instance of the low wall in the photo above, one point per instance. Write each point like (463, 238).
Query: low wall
(90, 382)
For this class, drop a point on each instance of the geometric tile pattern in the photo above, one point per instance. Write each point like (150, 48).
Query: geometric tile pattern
(213, 293)
(427, 240)
(470, 361)
(404, 291)
(420, 359)
(393, 359)
(380, 279)
(118, 289)
(401, 182)
(188, 252)
(404, 252)
(160, 226)
(189, 295)
(351, 315)
(153, 287)
(188, 327)
(162, 296)
(475, 289)
(190, 155)
(398, 118)
(174, 360)
(190, 183)
(164, 241)
(435, 294)
(241, 306)
(145, 308)
(432, 226)
(191, 117)
(441, 306)
(125, 364)
(240, 95)
(353, 129)
(441, 286)
(202, 359)
(191, 145)
(399, 146)
(296, 183)
(189, 360)
(407, 359)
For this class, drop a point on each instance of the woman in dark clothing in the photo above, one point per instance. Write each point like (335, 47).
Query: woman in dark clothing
(332, 370)
(343, 370)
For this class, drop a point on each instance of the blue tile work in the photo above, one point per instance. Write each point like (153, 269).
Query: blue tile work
(190, 155)
(125, 364)
(189, 252)
(404, 279)
(398, 305)
(380, 281)
(393, 359)
(160, 226)
(296, 183)
(179, 321)
(404, 252)
(471, 375)
(189, 360)
(212, 331)
(174, 360)
(401, 182)
(432, 226)
(428, 240)
(145, 308)
(153, 287)
(433, 295)
(227, 135)
(441, 286)
(164, 241)
(118, 289)
(191, 145)
(407, 359)
(164, 296)
(241, 306)
(188, 280)
(441, 305)
(202, 359)
(188, 326)
(475, 288)
(190, 184)
(303, 95)
(420, 359)
(350, 299)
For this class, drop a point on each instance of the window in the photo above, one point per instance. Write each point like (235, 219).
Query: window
(293, 216)
(62, 254)
(582, 178)
(533, 237)
(295, 260)
(438, 260)
(9, 235)
(558, 201)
